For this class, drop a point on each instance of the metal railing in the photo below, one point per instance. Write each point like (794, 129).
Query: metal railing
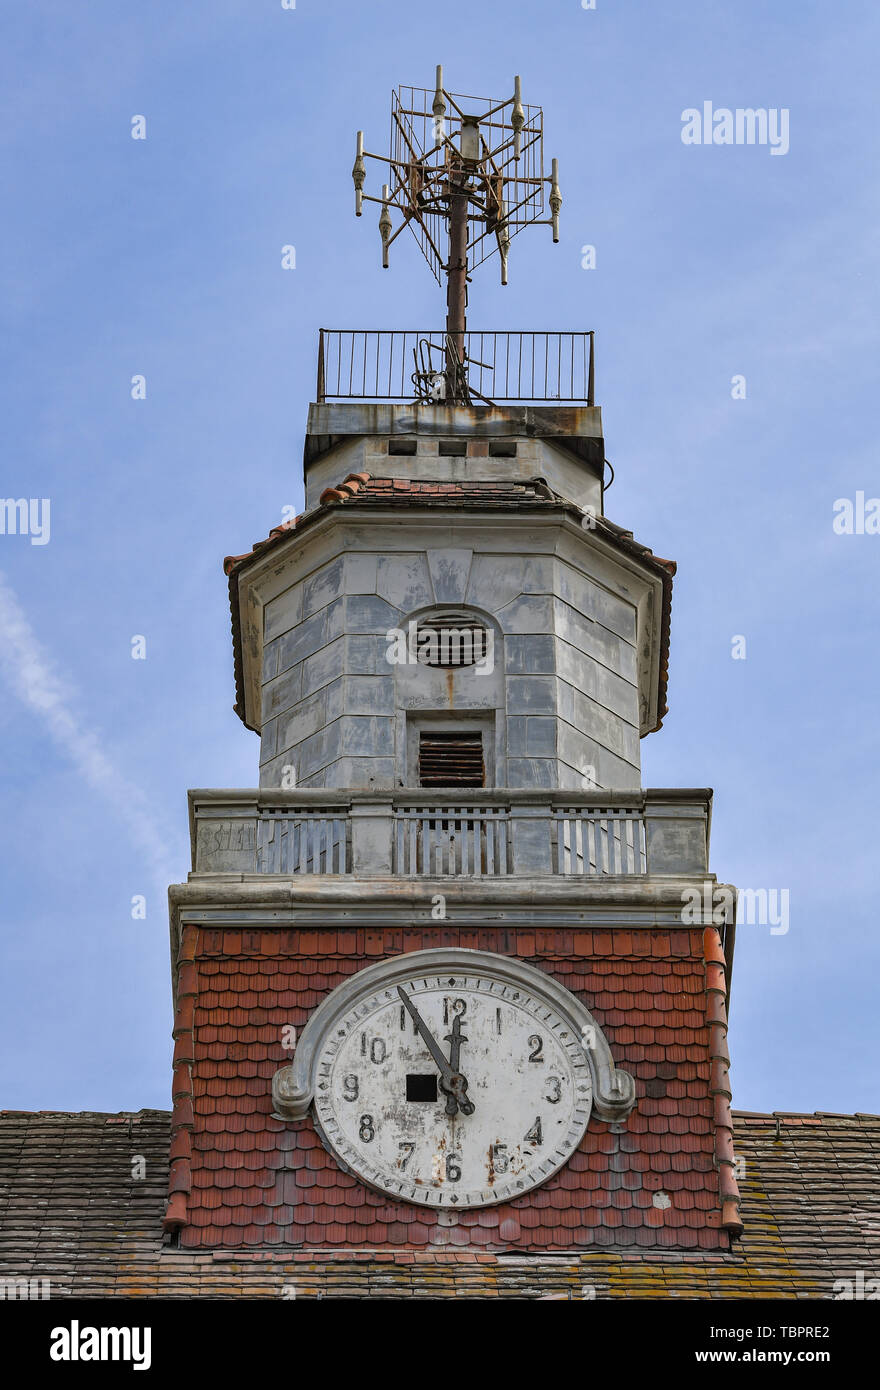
(406, 365)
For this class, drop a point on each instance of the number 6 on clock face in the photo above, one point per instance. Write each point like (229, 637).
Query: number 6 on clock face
(452, 1089)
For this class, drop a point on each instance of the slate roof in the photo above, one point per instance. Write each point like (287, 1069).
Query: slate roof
(367, 491)
(70, 1212)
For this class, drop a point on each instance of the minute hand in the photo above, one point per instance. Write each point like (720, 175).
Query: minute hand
(452, 1082)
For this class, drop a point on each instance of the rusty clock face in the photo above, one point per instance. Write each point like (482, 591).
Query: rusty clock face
(452, 1089)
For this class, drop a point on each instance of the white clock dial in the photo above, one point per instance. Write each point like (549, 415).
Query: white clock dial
(384, 1090)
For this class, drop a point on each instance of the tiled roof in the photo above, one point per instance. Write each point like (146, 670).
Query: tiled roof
(384, 492)
(71, 1212)
(243, 1179)
(369, 491)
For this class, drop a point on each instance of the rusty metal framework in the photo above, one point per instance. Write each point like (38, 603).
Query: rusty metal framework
(421, 166)
(466, 174)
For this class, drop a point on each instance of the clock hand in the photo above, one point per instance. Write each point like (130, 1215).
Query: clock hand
(427, 1037)
(452, 1082)
(455, 1040)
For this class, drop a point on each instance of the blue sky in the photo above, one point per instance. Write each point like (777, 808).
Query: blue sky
(163, 257)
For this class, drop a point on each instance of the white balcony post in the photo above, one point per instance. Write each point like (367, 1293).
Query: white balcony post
(225, 838)
(530, 832)
(677, 836)
(372, 832)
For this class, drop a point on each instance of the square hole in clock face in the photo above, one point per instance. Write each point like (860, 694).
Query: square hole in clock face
(421, 1087)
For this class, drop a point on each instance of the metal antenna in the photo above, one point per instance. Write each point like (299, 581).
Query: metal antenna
(467, 174)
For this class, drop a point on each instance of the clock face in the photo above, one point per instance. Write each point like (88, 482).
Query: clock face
(452, 1089)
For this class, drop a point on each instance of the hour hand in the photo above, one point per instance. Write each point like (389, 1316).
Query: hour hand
(455, 1040)
(458, 1100)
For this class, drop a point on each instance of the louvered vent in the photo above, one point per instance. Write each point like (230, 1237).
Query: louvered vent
(453, 639)
(451, 759)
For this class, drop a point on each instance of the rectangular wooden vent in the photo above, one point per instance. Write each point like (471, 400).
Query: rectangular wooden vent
(451, 759)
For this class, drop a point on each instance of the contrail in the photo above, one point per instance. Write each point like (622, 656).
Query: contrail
(29, 671)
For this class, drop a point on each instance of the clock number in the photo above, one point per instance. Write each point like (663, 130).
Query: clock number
(366, 1131)
(536, 1133)
(459, 1006)
(555, 1085)
(453, 1172)
(500, 1158)
(536, 1043)
(403, 1018)
(350, 1087)
(378, 1050)
(405, 1157)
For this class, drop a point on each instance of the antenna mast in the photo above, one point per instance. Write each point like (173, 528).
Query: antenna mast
(467, 172)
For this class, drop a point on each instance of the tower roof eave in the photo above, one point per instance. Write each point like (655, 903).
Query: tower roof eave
(366, 491)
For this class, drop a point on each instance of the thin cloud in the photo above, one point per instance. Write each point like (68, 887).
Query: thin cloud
(30, 673)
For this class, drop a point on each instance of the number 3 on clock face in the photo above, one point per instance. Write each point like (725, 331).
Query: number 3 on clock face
(452, 1089)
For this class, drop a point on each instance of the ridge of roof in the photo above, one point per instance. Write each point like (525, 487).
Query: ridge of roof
(799, 1116)
(121, 1115)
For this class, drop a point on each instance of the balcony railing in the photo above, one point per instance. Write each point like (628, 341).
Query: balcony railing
(302, 842)
(367, 365)
(418, 833)
(449, 841)
(605, 842)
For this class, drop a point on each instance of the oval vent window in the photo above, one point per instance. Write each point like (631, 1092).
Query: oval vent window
(451, 639)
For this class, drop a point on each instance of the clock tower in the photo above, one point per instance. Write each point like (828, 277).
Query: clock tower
(440, 982)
